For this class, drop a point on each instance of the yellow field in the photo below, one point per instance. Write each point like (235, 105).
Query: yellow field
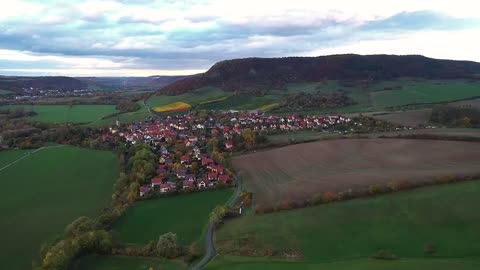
(268, 107)
(172, 107)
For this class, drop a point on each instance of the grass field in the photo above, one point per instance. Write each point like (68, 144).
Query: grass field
(7, 157)
(411, 118)
(172, 107)
(44, 192)
(234, 263)
(185, 215)
(425, 92)
(128, 117)
(5, 92)
(297, 172)
(95, 262)
(345, 235)
(203, 95)
(67, 113)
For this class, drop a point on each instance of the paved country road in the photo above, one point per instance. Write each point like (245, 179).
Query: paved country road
(209, 246)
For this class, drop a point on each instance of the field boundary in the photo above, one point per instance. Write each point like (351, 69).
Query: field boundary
(27, 155)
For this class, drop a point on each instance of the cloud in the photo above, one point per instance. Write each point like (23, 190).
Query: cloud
(174, 36)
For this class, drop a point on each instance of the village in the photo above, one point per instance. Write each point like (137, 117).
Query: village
(183, 144)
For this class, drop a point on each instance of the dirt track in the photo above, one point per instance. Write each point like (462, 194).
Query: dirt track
(299, 171)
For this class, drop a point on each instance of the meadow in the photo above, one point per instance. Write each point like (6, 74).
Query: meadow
(5, 92)
(296, 173)
(67, 113)
(124, 118)
(185, 215)
(410, 118)
(432, 227)
(97, 262)
(46, 191)
(199, 96)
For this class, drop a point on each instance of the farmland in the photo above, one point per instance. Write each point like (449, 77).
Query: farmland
(418, 92)
(172, 107)
(187, 216)
(345, 235)
(297, 172)
(44, 192)
(95, 262)
(407, 118)
(67, 113)
(203, 95)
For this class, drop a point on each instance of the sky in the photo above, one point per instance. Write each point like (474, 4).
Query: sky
(143, 38)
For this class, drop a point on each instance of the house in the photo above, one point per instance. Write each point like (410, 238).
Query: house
(166, 187)
(188, 185)
(156, 181)
(217, 169)
(203, 183)
(190, 177)
(229, 145)
(224, 178)
(144, 190)
(181, 173)
(212, 176)
(185, 159)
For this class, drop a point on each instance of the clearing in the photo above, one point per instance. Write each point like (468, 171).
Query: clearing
(186, 215)
(297, 172)
(347, 234)
(67, 113)
(96, 262)
(46, 191)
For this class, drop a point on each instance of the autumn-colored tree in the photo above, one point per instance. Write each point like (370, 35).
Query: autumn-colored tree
(248, 137)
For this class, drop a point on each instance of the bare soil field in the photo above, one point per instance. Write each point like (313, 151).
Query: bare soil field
(297, 172)
(411, 118)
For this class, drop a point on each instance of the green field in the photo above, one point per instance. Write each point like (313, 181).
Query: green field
(6, 157)
(404, 223)
(426, 92)
(94, 262)
(5, 92)
(185, 215)
(238, 263)
(67, 113)
(202, 95)
(128, 117)
(46, 191)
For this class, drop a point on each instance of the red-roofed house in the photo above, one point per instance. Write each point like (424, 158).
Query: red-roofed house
(144, 190)
(229, 145)
(188, 184)
(224, 178)
(166, 187)
(212, 176)
(156, 181)
(185, 159)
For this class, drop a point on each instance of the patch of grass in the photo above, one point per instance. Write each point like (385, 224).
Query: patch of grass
(5, 92)
(46, 191)
(426, 92)
(195, 97)
(185, 215)
(268, 107)
(6, 157)
(172, 107)
(234, 263)
(96, 262)
(403, 223)
(67, 113)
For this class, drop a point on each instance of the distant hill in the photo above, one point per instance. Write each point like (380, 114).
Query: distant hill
(253, 74)
(15, 83)
(130, 83)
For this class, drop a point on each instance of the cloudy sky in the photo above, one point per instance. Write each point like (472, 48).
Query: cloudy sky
(142, 37)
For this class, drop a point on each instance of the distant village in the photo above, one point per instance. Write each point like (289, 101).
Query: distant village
(196, 169)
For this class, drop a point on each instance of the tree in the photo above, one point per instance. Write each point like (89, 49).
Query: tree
(133, 193)
(248, 137)
(167, 245)
(217, 215)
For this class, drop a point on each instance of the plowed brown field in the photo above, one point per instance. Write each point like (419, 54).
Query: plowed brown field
(299, 171)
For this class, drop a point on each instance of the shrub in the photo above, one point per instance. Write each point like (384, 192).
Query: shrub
(385, 255)
(430, 249)
(167, 245)
(329, 197)
(374, 189)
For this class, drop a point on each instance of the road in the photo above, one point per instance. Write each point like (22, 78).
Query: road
(209, 245)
